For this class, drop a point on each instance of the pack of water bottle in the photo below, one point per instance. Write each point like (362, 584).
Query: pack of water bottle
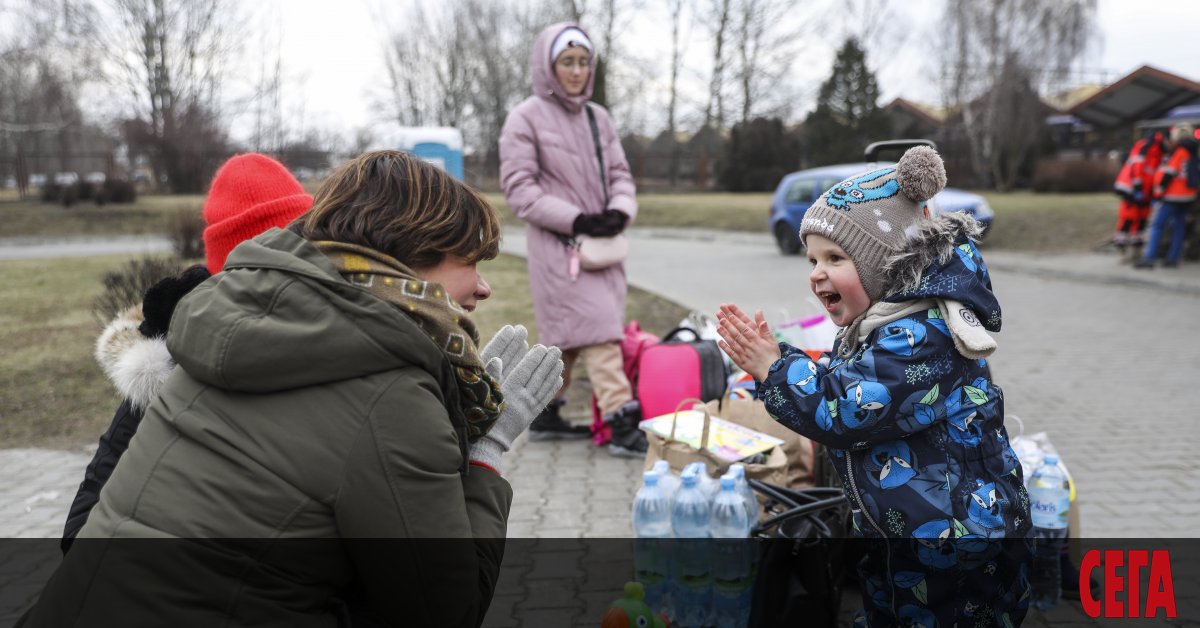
(693, 553)
(1049, 506)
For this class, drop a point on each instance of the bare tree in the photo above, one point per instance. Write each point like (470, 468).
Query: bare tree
(269, 129)
(171, 57)
(429, 65)
(464, 64)
(718, 23)
(676, 9)
(999, 56)
(46, 56)
(765, 49)
(503, 77)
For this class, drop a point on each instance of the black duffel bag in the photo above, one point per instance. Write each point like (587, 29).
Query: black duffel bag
(805, 557)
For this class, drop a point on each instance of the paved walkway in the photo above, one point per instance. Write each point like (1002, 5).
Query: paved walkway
(1100, 356)
(30, 247)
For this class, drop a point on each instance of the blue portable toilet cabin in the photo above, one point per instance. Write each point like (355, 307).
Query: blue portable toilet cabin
(439, 145)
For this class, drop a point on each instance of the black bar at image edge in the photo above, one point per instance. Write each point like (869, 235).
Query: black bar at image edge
(575, 582)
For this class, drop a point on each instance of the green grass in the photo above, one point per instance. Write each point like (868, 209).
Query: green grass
(1051, 223)
(1024, 221)
(53, 394)
(149, 215)
(710, 210)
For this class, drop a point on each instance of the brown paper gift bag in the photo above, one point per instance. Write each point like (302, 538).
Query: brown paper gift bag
(799, 451)
(679, 454)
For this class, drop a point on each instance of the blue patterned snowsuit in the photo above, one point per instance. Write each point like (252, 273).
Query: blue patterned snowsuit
(916, 431)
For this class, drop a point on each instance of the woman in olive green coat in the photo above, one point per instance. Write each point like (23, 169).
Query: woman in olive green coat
(329, 388)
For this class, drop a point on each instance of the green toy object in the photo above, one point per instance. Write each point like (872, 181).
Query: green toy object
(631, 611)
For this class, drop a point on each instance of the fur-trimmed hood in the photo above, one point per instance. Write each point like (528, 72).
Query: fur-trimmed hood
(136, 365)
(941, 261)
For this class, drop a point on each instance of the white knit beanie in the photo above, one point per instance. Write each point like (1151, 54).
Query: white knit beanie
(870, 215)
(569, 38)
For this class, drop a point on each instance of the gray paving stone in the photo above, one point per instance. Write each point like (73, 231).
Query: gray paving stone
(556, 564)
(549, 618)
(560, 533)
(609, 528)
(556, 594)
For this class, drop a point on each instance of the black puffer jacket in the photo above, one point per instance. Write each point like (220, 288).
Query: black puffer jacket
(133, 353)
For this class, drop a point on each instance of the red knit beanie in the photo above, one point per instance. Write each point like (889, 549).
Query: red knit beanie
(250, 194)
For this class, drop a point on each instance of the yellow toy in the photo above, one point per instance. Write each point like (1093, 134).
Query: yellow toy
(631, 611)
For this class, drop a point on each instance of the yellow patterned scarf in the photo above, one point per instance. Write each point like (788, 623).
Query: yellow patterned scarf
(446, 323)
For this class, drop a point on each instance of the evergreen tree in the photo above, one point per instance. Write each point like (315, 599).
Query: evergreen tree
(848, 116)
(760, 152)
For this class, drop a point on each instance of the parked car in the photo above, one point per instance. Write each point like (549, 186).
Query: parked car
(797, 191)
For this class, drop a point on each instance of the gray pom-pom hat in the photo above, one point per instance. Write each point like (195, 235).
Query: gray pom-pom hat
(872, 215)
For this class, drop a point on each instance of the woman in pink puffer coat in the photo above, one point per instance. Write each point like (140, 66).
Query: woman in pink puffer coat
(551, 176)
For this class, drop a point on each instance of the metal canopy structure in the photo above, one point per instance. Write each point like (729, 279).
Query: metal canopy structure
(1146, 92)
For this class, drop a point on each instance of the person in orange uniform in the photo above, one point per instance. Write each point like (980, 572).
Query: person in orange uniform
(1133, 185)
(1176, 185)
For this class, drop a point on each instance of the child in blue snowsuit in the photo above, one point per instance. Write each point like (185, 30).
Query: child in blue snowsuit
(906, 406)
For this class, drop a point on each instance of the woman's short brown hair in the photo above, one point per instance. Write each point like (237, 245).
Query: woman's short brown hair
(398, 204)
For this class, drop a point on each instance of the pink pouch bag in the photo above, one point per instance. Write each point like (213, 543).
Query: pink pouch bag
(600, 253)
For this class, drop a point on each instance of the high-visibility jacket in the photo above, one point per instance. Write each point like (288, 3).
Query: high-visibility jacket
(1171, 184)
(1138, 172)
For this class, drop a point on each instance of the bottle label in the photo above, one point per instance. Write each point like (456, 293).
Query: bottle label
(1049, 507)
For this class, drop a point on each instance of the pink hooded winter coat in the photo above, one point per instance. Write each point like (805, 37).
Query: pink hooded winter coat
(550, 175)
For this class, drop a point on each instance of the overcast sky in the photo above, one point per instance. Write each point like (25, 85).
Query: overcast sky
(333, 56)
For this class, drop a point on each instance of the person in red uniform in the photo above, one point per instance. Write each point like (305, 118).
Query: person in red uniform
(1133, 185)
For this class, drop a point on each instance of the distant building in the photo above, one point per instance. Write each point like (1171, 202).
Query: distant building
(1139, 101)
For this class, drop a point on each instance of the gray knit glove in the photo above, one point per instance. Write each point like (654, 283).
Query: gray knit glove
(527, 389)
(510, 345)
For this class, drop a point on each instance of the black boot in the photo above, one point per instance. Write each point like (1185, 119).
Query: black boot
(550, 426)
(627, 440)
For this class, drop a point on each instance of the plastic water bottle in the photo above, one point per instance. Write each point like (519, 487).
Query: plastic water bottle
(707, 484)
(729, 518)
(733, 575)
(1049, 502)
(690, 509)
(667, 480)
(747, 493)
(651, 509)
(690, 519)
(652, 549)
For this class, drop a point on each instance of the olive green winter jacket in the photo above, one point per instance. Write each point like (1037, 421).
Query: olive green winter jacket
(303, 408)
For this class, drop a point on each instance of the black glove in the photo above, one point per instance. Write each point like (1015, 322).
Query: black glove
(159, 302)
(606, 224)
(615, 219)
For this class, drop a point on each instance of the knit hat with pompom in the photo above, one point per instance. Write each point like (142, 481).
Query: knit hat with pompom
(873, 214)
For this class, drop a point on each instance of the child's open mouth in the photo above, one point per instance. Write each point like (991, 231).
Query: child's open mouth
(829, 299)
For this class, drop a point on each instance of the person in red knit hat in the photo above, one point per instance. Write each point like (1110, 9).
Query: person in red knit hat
(250, 194)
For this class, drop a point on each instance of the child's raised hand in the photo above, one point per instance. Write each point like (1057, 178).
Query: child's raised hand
(749, 343)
